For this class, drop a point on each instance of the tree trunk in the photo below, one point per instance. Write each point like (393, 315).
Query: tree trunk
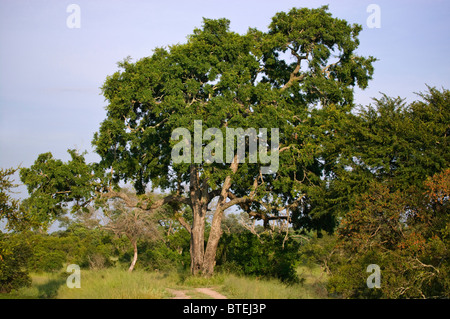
(216, 225)
(134, 242)
(197, 246)
(213, 241)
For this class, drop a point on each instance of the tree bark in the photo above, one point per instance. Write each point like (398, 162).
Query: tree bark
(216, 225)
(213, 241)
(197, 244)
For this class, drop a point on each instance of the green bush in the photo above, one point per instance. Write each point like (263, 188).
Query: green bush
(405, 233)
(88, 248)
(14, 256)
(172, 254)
(247, 254)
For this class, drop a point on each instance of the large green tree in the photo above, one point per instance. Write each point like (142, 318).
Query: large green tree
(290, 78)
(388, 141)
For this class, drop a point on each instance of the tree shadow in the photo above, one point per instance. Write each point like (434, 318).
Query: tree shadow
(49, 290)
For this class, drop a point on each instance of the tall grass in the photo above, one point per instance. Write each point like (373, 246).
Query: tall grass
(111, 283)
(312, 286)
(252, 288)
(44, 286)
(186, 280)
(117, 283)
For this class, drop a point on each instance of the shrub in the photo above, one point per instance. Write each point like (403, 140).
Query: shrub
(406, 233)
(14, 256)
(160, 255)
(247, 254)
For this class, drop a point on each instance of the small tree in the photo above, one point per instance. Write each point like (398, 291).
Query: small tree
(125, 218)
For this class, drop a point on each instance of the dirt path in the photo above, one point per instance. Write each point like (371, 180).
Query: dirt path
(211, 293)
(181, 294)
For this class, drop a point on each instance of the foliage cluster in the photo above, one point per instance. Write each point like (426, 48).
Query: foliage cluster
(14, 255)
(263, 256)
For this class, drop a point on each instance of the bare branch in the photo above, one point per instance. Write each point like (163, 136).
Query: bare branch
(250, 228)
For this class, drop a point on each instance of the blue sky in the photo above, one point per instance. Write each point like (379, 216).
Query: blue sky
(50, 75)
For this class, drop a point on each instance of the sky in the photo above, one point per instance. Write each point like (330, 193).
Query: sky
(51, 74)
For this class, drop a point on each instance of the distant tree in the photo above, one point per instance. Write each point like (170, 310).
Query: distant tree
(14, 252)
(380, 166)
(233, 224)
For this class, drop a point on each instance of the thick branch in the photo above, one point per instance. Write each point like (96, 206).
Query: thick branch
(168, 199)
(236, 201)
(132, 203)
(123, 196)
(294, 75)
(284, 148)
(213, 194)
(184, 223)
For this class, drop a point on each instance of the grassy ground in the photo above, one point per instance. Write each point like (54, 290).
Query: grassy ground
(312, 286)
(115, 283)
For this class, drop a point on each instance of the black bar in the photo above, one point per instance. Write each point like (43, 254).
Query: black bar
(229, 308)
